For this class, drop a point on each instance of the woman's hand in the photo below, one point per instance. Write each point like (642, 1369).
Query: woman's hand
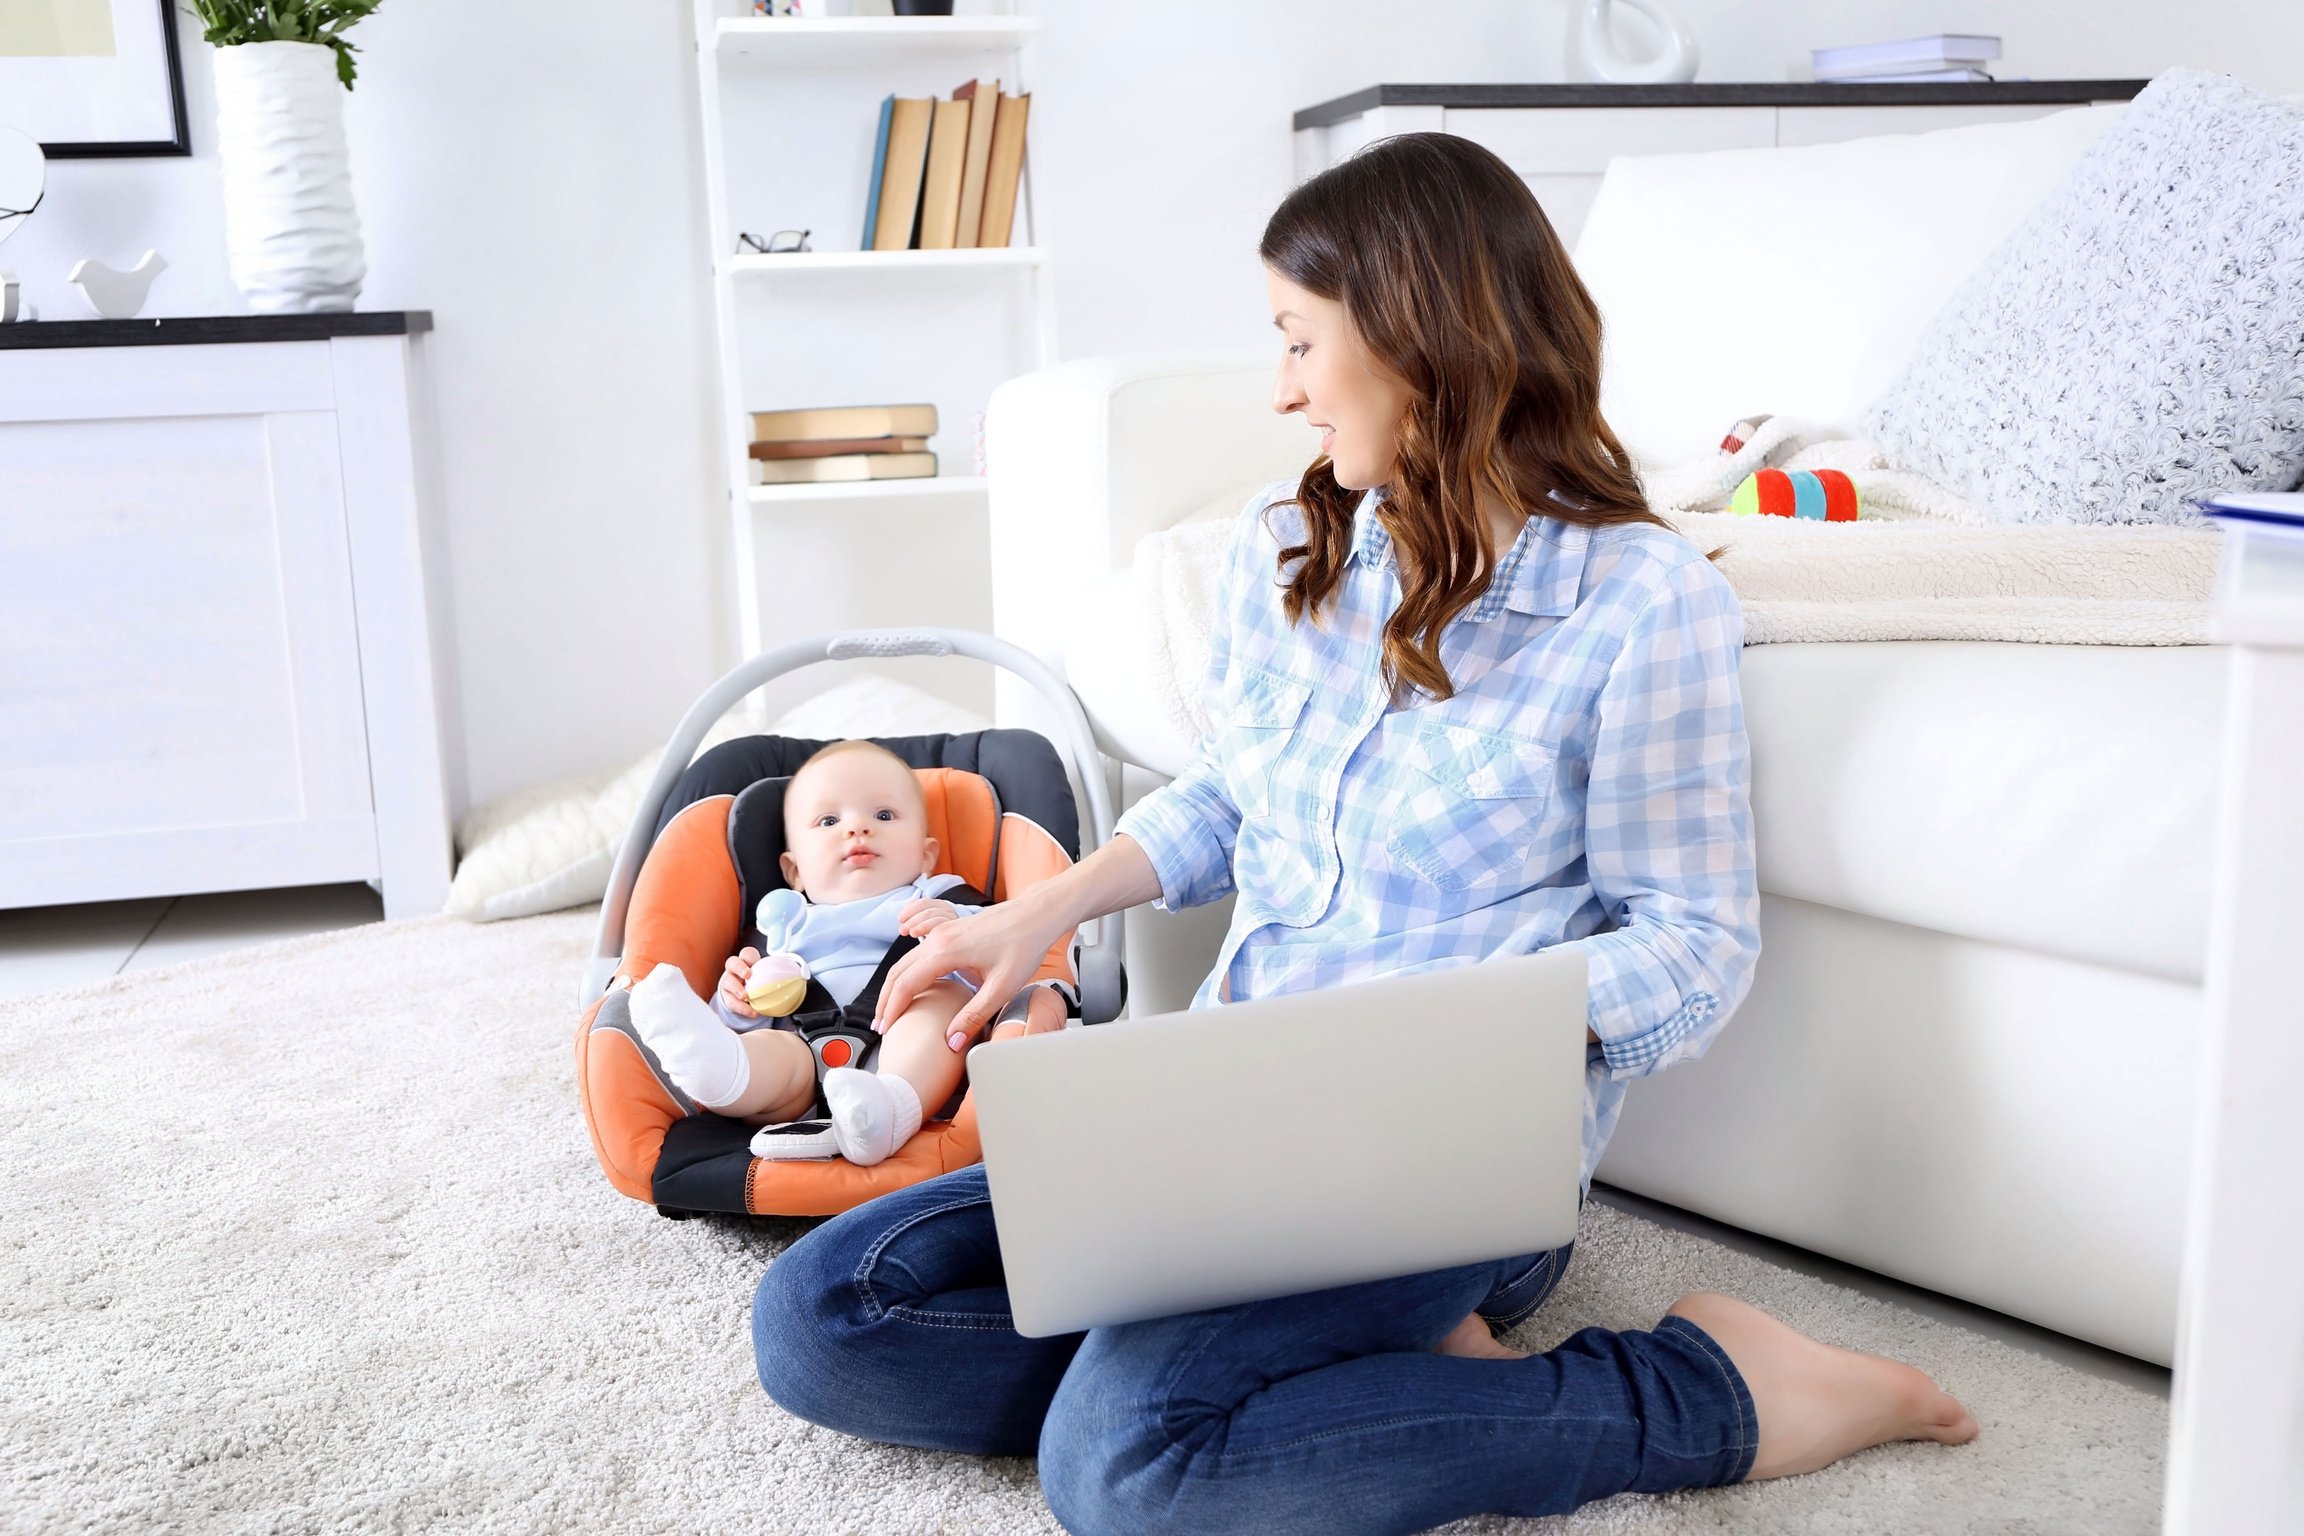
(998, 949)
(733, 980)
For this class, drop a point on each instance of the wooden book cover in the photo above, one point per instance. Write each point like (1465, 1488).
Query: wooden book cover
(907, 161)
(854, 466)
(1007, 167)
(813, 422)
(983, 98)
(825, 447)
(940, 194)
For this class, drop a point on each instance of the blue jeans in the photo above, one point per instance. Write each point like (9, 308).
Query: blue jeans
(1325, 1412)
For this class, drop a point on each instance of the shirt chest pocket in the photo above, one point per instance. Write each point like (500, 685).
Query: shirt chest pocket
(1259, 715)
(1471, 806)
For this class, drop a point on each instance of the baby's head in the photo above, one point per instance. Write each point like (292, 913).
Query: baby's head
(855, 824)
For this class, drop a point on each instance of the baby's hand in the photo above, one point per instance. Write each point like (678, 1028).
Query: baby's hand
(920, 916)
(733, 981)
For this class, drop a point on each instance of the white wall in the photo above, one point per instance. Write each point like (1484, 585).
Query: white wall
(529, 171)
(1159, 249)
(526, 170)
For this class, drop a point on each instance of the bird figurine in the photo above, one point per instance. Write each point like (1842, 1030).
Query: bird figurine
(117, 295)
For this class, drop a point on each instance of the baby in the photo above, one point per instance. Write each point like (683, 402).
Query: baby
(858, 858)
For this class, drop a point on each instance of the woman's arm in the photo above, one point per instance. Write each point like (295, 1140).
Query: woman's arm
(1001, 946)
(1668, 830)
(1174, 846)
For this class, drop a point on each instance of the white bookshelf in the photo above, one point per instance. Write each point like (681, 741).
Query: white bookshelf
(790, 109)
(866, 490)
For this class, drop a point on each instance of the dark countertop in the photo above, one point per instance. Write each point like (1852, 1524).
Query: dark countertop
(1853, 93)
(177, 331)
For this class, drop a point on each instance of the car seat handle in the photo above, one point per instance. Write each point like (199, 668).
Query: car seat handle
(886, 642)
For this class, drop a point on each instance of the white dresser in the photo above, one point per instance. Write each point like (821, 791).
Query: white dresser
(216, 639)
(1561, 137)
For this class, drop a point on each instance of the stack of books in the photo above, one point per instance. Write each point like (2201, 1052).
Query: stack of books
(842, 442)
(1940, 56)
(944, 173)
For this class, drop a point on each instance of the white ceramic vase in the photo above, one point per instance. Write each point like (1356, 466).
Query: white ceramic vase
(1593, 54)
(289, 223)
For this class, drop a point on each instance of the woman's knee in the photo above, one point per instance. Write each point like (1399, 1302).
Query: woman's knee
(799, 1329)
(1116, 1462)
(1100, 1478)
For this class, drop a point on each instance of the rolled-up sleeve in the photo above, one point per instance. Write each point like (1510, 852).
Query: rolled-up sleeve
(1669, 844)
(1188, 826)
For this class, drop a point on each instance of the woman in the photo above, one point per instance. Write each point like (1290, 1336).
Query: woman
(1473, 698)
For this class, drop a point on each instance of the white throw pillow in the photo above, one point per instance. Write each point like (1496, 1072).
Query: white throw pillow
(1796, 280)
(551, 845)
(2140, 340)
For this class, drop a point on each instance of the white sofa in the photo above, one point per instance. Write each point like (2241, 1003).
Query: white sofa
(1967, 1059)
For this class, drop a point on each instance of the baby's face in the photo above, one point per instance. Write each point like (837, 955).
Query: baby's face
(853, 827)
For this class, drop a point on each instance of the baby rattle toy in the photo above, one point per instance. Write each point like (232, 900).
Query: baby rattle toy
(779, 980)
(1824, 494)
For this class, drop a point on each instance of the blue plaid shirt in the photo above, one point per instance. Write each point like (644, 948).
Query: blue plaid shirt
(1588, 784)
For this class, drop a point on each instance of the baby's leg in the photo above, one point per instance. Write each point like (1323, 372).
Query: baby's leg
(783, 1072)
(763, 1075)
(914, 1047)
(874, 1113)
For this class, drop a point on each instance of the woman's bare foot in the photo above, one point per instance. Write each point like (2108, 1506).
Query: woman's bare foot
(1472, 1340)
(1816, 1403)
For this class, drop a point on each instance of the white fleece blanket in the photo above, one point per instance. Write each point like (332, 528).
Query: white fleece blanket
(1919, 564)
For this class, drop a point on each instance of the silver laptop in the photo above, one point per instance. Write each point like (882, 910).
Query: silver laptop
(1154, 1166)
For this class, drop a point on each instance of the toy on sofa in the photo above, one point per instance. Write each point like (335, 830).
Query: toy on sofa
(1824, 494)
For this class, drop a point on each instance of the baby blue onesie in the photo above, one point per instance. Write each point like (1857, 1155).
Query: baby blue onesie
(842, 941)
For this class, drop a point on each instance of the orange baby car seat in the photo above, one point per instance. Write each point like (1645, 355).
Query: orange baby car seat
(702, 851)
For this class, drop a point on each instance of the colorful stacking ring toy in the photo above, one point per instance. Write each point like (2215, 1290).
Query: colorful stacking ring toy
(1824, 494)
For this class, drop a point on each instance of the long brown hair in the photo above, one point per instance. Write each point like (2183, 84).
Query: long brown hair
(1458, 287)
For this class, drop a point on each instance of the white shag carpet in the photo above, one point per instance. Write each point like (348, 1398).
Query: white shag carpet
(309, 1238)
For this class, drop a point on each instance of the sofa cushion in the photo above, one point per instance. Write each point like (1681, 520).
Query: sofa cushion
(1796, 280)
(2139, 342)
(2056, 797)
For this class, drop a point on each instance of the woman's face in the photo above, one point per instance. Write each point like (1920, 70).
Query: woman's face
(1327, 374)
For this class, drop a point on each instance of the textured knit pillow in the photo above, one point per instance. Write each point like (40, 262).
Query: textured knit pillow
(2139, 340)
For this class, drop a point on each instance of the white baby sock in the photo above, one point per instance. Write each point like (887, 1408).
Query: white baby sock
(704, 1058)
(871, 1115)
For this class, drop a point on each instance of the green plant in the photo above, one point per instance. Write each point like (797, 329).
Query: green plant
(229, 22)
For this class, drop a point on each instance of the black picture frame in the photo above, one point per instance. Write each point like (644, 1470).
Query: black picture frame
(121, 149)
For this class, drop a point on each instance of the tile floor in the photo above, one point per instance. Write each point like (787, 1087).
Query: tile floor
(45, 948)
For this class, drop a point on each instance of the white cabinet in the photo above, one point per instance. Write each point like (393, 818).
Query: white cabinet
(1561, 137)
(215, 653)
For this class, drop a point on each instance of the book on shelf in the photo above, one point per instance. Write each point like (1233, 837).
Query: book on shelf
(879, 169)
(1918, 77)
(823, 421)
(1005, 169)
(905, 167)
(2279, 514)
(945, 173)
(848, 466)
(826, 447)
(940, 189)
(1905, 55)
(983, 98)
